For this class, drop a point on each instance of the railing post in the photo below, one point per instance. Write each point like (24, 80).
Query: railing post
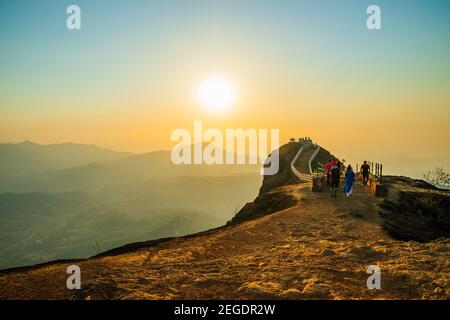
(381, 172)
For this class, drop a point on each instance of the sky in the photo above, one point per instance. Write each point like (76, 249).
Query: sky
(128, 78)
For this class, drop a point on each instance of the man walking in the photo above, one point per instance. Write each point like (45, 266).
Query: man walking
(365, 169)
(328, 167)
(335, 178)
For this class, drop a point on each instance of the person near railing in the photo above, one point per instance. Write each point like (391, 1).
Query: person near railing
(335, 178)
(365, 170)
(328, 167)
(342, 167)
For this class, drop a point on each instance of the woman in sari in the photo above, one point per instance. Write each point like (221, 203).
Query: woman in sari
(349, 179)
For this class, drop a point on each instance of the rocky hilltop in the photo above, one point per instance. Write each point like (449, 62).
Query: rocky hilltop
(290, 243)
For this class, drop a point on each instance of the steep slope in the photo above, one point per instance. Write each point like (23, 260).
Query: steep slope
(270, 199)
(302, 163)
(317, 248)
(284, 176)
(415, 210)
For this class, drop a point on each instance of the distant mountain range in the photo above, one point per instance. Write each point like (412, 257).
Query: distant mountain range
(30, 167)
(28, 157)
(72, 200)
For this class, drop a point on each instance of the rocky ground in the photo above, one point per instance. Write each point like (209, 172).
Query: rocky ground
(319, 248)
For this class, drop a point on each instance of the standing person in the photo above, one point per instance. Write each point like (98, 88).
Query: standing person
(365, 169)
(335, 178)
(349, 178)
(342, 166)
(328, 166)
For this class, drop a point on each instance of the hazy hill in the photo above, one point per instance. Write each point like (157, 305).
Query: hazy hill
(37, 227)
(129, 169)
(26, 205)
(74, 200)
(25, 158)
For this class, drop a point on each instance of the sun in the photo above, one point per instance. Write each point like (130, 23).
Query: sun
(217, 94)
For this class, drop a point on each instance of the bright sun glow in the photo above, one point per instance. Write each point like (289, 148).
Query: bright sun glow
(217, 94)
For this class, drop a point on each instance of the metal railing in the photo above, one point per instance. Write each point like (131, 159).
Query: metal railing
(376, 169)
(300, 175)
(312, 159)
(320, 170)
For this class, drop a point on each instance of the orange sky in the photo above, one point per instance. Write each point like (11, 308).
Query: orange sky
(127, 85)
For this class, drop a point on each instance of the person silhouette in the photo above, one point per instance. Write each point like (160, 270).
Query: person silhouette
(335, 178)
(349, 178)
(365, 169)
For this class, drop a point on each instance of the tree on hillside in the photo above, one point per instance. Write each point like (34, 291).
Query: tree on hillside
(438, 178)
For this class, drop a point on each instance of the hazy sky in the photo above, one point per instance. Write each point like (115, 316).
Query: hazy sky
(128, 78)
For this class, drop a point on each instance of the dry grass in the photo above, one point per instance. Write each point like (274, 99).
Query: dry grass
(318, 249)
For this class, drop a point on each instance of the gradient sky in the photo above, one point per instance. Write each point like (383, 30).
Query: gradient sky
(128, 78)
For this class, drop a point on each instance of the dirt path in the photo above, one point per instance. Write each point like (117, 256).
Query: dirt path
(319, 249)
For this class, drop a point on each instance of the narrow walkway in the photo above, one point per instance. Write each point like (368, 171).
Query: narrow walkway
(300, 164)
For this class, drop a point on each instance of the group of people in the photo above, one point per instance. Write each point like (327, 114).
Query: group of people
(305, 139)
(334, 169)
